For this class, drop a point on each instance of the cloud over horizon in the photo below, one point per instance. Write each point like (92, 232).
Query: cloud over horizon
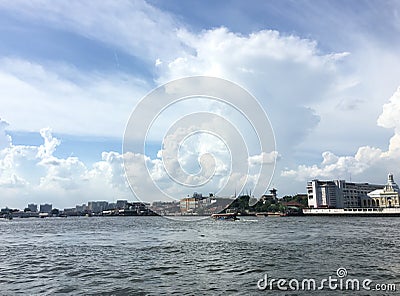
(367, 161)
(34, 174)
(87, 65)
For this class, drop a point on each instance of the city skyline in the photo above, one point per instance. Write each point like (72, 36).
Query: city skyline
(119, 203)
(72, 72)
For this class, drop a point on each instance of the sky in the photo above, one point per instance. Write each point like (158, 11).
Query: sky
(326, 73)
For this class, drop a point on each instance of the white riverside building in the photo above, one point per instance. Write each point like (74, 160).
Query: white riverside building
(338, 193)
(341, 198)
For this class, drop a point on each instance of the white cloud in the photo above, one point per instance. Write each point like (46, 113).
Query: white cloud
(266, 62)
(50, 143)
(264, 158)
(391, 111)
(368, 162)
(158, 62)
(286, 73)
(70, 101)
(263, 54)
(302, 89)
(33, 173)
(281, 70)
(5, 140)
(135, 27)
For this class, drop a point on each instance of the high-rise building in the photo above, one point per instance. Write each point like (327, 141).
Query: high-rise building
(81, 208)
(121, 204)
(32, 207)
(97, 206)
(46, 208)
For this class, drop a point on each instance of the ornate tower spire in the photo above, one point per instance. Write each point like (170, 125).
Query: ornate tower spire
(390, 178)
(391, 184)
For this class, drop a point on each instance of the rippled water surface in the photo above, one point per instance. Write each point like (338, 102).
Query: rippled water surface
(158, 256)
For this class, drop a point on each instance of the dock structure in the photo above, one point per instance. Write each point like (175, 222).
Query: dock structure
(372, 212)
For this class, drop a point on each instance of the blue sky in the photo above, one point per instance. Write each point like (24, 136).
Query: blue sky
(326, 73)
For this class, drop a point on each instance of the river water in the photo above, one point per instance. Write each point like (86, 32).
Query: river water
(159, 256)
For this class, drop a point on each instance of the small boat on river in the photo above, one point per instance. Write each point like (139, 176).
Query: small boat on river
(230, 216)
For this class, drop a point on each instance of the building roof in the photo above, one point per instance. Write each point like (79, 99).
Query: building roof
(376, 192)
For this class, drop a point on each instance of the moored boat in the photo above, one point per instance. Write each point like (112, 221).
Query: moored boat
(275, 214)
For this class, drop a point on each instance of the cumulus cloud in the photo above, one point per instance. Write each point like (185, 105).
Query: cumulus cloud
(367, 161)
(264, 158)
(261, 60)
(295, 81)
(390, 115)
(202, 163)
(5, 140)
(33, 173)
(50, 143)
(280, 70)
